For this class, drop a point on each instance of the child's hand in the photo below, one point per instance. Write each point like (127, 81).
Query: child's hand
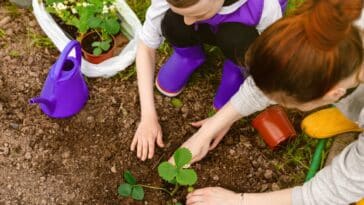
(148, 132)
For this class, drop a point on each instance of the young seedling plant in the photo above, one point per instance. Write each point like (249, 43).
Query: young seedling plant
(177, 174)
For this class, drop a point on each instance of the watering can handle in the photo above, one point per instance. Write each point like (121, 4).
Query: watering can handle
(62, 59)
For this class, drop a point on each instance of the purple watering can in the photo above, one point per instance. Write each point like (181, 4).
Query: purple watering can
(65, 91)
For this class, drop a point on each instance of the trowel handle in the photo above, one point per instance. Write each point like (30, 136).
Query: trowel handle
(65, 53)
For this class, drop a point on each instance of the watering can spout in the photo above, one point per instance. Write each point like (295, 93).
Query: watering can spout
(49, 103)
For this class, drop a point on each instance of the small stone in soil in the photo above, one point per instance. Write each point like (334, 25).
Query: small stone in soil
(113, 169)
(268, 174)
(9, 32)
(4, 21)
(264, 188)
(42, 179)
(28, 155)
(66, 155)
(215, 178)
(231, 151)
(14, 125)
(4, 151)
(275, 187)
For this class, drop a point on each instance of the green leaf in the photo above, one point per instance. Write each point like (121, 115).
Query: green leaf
(129, 178)
(97, 51)
(137, 193)
(83, 27)
(167, 171)
(182, 156)
(96, 44)
(177, 102)
(112, 26)
(178, 203)
(124, 190)
(105, 45)
(186, 177)
(173, 181)
(94, 22)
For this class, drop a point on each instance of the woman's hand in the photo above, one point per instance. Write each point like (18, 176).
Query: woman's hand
(200, 144)
(219, 136)
(214, 196)
(211, 132)
(148, 133)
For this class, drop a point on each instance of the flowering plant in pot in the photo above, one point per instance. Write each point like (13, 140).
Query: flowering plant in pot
(95, 22)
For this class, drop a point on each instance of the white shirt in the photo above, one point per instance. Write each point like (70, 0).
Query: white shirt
(151, 33)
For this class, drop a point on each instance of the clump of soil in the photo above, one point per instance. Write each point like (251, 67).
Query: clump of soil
(80, 160)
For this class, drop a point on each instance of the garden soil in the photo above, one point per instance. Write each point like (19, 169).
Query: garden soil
(80, 160)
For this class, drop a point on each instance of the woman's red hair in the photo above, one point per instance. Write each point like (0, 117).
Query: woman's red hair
(306, 54)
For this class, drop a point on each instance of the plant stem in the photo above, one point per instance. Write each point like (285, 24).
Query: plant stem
(175, 189)
(99, 35)
(158, 188)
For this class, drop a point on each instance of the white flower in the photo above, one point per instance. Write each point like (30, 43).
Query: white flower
(105, 9)
(112, 8)
(61, 6)
(74, 11)
(85, 4)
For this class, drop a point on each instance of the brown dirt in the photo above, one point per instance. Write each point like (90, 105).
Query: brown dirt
(80, 160)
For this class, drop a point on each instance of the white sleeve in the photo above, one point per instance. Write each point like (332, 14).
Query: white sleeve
(352, 104)
(272, 11)
(360, 22)
(250, 99)
(151, 33)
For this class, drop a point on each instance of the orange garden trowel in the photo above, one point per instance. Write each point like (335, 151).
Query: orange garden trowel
(328, 123)
(324, 124)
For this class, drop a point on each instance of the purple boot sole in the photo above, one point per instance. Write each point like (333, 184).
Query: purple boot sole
(174, 74)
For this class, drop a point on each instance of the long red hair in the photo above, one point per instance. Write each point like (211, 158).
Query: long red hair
(306, 54)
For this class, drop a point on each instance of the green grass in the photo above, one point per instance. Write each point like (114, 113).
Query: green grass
(2, 33)
(298, 154)
(14, 54)
(12, 10)
(139, 7)
(39, 40)
(128, 73)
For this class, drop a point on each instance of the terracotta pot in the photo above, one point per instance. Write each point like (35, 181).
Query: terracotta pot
(274, 126)
(90, 57)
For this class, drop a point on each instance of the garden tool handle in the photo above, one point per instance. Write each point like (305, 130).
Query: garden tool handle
(65, 53)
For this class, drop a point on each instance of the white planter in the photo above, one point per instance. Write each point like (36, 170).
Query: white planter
(130, 26)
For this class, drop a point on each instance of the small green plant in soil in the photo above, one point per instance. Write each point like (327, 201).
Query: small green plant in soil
(177, 103)
(131, 188)
(101, 46)
(98, 16)
(176, 174)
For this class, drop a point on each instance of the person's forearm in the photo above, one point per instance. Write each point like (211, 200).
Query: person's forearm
(223, 118)
(145, 65)
(281, 197)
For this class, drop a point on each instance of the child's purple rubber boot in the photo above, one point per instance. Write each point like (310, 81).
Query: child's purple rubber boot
(232, 77)
(174, 74)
